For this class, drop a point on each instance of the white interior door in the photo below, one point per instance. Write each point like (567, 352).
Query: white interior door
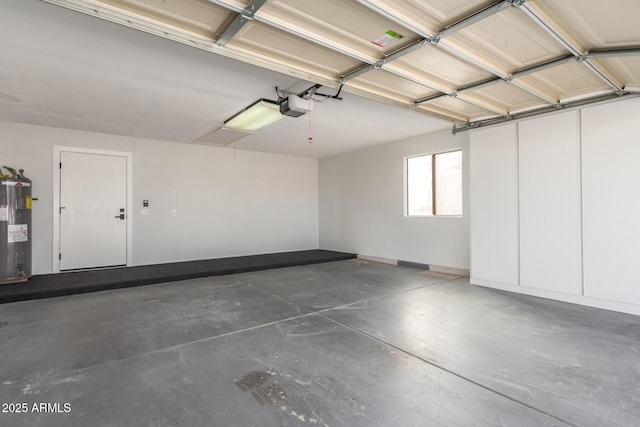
(93, 199)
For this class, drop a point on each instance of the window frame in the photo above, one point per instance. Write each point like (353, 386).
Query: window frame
(433, 186)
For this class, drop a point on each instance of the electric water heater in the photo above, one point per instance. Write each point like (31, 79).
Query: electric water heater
(15, 228)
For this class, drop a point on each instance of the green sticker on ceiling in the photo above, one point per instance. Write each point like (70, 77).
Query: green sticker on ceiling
(387, 38)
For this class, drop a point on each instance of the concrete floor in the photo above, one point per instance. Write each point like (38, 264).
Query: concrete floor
(347, 343)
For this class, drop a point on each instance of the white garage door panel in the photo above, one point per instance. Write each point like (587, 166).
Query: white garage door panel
(550, 217)
(494, 205)
(611, 201)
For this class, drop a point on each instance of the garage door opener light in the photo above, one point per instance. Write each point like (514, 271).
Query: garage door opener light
(257, 115)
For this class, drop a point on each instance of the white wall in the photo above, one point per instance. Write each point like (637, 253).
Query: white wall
(611, 199)
(549, 196)
(577, 206)
(228, 205)
(362, 208)
(494, 199)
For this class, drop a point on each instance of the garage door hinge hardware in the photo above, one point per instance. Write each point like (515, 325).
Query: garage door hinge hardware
(434, 40)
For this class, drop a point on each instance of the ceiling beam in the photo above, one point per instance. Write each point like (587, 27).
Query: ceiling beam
(447, 31)
(120, 17)
(376, 65)
(604, 75)
(543, 66)
(533, 69)
(428, 36)
(342, 49)
(608, 53)
(476, 17)
(227, 5)
(551, 100)
(370, 65)
(553, 30)
(429, 40)
(420, 80)
(245, 16)
(447, 92)
(471, 59)
(478, 103)
(536, 112)
(432, 39)
(605, 53)
(436, 39)
(397, 54)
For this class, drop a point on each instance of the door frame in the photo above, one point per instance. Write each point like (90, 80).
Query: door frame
(57, 152)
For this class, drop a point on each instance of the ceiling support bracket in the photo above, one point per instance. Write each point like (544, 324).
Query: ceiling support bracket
(245, 16)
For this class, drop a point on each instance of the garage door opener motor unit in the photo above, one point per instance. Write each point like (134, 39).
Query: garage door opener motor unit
(295, 106)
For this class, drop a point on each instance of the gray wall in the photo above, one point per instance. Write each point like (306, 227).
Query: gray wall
(228, 204)
(362, 210)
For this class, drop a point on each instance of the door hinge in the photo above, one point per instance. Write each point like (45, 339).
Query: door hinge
(59, 257)
(60, 165)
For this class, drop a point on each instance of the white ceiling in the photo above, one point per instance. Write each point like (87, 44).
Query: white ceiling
(66, 69)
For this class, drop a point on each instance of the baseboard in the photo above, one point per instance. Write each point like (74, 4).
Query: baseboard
(435, 268)
(378, 259)
(450, 270)
(557, 296)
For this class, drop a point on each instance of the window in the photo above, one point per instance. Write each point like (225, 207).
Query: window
(434, 184)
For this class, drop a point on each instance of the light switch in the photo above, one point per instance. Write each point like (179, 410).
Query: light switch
(144, 212)
(174, 212)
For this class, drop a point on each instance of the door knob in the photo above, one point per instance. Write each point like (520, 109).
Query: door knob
(121, 216)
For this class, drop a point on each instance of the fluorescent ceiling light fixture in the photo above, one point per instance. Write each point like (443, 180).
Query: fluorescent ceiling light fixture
(259, 114)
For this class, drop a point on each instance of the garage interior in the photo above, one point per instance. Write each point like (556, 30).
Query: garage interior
(520, 308)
